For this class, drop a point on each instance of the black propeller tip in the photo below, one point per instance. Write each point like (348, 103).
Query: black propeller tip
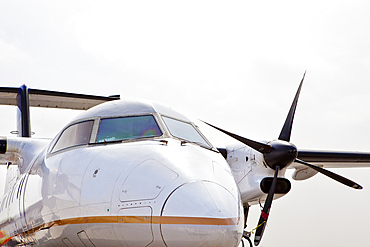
(357, 186)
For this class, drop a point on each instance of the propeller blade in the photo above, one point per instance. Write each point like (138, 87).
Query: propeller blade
(260, 147)
(266, 210)
(287, 128)
(332, 175)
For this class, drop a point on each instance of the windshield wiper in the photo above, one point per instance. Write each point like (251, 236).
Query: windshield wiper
(198, 143)
(127, 140)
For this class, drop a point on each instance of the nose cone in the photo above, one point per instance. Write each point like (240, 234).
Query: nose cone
(202, 213)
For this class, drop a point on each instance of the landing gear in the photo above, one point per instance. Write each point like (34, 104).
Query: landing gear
(246, 235)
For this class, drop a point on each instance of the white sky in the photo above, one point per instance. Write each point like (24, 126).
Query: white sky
(236, 64)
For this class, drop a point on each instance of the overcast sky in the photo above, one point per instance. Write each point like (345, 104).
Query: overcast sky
(236, 64)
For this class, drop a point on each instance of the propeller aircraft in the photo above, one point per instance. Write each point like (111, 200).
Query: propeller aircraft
(137, 173)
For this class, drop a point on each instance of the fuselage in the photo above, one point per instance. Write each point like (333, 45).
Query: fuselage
(125, 173)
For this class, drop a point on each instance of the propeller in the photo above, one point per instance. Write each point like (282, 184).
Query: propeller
(287, 128)
(332, 175)
(279, 154)
(266, 210)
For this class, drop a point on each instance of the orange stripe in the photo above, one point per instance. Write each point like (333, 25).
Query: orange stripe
(168, 220)
(171, 220)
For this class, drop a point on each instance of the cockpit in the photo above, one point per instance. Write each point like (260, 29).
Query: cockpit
(98, 127)
(128, 128)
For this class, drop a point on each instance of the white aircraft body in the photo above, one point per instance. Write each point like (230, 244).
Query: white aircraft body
(136, 173)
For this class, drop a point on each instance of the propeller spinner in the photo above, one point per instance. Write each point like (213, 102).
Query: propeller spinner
(279, 154)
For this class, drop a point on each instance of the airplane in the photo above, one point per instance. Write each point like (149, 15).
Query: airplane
(136, 173)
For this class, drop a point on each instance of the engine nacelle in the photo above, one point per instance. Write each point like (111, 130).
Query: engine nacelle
(303, 172)
(3, 145)
(253, 177)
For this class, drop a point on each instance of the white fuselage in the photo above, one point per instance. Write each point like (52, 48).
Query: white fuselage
(148, 192)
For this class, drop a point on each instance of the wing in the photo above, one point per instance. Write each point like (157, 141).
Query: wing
(53, 99)
(334, 159)
(24, 97)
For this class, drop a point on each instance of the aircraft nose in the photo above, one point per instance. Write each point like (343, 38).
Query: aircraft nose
(202, 213)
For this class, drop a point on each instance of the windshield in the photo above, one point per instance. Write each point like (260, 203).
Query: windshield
(185, 131)
(74, 135)
(126, 128)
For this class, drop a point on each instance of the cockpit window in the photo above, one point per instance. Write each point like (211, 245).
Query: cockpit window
(185, 131)
(126, 128)
(74, 135)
